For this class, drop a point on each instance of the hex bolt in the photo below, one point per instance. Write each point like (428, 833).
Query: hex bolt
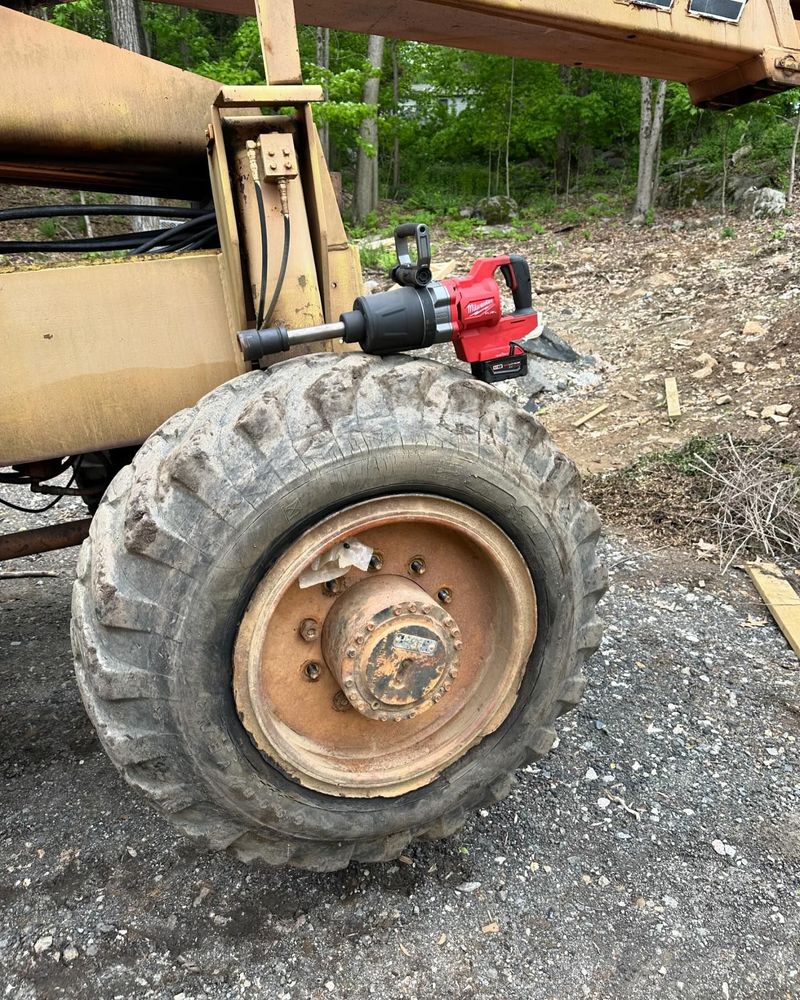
(340, 702)
(376, 561)
(457, 644)
(349, 683)
(417, 565)
(312, 671)
(445, 595)
(309, 629)
(331, 587)
(454, 671)
(412, 608)
(351, 654)
(273, 166)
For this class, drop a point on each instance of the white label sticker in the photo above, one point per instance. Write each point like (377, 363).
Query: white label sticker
(414, 643)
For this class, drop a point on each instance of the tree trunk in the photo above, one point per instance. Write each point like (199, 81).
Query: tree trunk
(366, 193)
(650, 128)
(126, 32)
(324, 60)
(564, 137)
(793, 163)
(396, 104)
(508, 128)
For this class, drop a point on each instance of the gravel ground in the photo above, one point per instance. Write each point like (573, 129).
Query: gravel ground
(654, 853)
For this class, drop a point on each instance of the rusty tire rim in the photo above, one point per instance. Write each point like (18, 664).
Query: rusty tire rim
(400, 673)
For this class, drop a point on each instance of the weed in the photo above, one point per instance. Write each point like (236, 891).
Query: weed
(377, 258)
(727, 232)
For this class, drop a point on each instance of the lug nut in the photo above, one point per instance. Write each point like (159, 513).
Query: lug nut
(376, 561)
(417, 565)
(309, 629)
(445, 595)
(332, 586)
(340, 702)
(312, 671)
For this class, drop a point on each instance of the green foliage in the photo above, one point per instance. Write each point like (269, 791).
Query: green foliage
(727, 232)
(377, 258)
(572, 217)
(47, 229)
(460, 229)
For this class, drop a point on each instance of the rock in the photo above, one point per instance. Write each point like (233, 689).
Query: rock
(497, 208)
(468, 887)
(722, 400)
(42, 944)
(739, 367)
(591, 775)
(70, 953)
(763, 203)
(753, 328)
(719, 847)
(466, 212)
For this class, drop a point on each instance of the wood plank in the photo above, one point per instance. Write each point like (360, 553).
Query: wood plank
(780, 597)
(673, 399)
(279, 44)
(591, 415)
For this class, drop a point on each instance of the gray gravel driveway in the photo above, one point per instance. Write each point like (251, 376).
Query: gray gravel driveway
(655, 853)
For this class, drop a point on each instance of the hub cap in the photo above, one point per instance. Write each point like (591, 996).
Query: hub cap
(375, 683)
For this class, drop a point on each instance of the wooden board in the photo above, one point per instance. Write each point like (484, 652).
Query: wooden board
(673, 399)
(591, 415)
(780, 597)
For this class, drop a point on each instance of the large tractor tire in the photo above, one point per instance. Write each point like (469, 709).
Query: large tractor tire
(316, 725)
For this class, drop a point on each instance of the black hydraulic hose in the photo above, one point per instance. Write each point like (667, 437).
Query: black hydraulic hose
(175, 234)
(59, 211)
(287, 234)
(124, 241)
(262, 225)
(202, 239)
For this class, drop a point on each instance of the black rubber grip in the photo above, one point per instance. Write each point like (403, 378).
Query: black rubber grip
(257, 344)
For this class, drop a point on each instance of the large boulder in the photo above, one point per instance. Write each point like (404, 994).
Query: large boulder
(497, 208)
(762, 203)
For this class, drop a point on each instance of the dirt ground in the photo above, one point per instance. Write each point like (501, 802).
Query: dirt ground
(641, 305)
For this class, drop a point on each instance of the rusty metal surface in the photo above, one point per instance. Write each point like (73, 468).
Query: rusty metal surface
(79, 112)
(602, 34)
(289, 697)
(391, 647)
(299, 302)
(54, 536)
(98, 355)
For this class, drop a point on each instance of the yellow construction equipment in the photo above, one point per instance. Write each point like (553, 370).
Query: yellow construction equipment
(329, 604)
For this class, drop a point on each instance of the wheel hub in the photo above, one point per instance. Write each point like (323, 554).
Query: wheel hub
(392, 649)
(374, 683)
